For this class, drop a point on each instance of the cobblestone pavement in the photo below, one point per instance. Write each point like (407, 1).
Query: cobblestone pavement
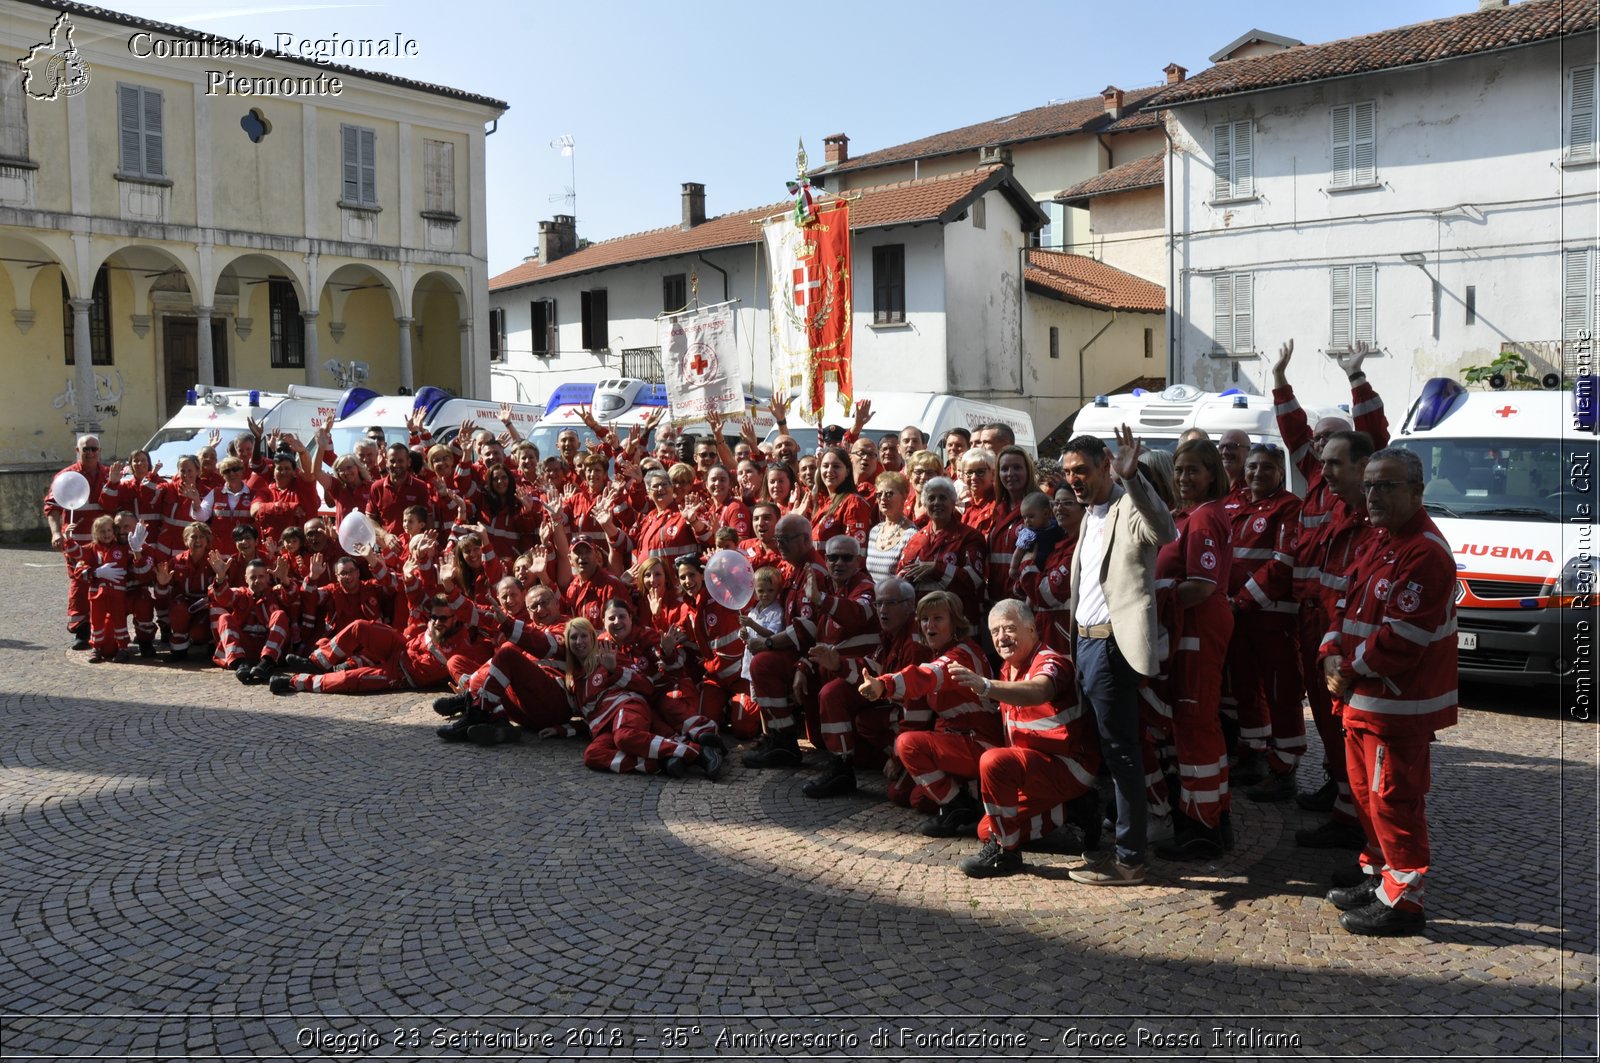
(193, 868)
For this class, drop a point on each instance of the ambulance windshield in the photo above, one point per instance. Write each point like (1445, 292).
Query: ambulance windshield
(1508, 479)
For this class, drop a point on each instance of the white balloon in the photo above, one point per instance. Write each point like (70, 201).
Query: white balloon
(70, 489)
(356, 532)
(730, 580)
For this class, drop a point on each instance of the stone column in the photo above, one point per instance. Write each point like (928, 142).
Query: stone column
(313, 360)
(406, 372)
(87, 418)
(206, 358)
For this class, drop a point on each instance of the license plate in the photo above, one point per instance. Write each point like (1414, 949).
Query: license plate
(1466, 640)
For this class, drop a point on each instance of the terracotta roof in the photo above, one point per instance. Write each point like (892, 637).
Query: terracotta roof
(166, 29)
(1148, 172)
(1426, 42)
(939, 198)
(1083, 280)
(1087, 115)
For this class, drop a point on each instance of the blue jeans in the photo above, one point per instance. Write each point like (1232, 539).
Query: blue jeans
(1111, 687)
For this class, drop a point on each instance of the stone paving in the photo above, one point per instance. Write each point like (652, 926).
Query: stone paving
(193, 868)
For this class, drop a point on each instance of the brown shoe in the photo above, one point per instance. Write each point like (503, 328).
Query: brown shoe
(1111, 873)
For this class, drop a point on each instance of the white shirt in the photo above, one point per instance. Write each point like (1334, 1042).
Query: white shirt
(1092, 605)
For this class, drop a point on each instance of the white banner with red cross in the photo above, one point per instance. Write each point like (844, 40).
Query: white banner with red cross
(700, 362)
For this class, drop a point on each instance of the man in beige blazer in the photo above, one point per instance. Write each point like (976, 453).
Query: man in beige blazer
(1114, 616)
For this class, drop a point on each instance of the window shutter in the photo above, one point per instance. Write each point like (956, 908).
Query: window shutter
(1244, 183)
(550, 334)
(1339, 158)
(1339, 336)
(1222, 161)
(128, 128)
(1222, 314)
(1581, 113)
(1244, 334)
(1364, 144)
(369, 166)
(438, 177)
(13, 114)
(351, 152)
(1577, 297)
(155, 164)
(1363, 295)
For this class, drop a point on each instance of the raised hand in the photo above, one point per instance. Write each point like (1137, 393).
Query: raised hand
(464, 433)
(214, 438)
(317, 569)
(608, 657)
(538, 560)
(747, 432)
(671, 639)
(1280, 368)
(813, 589)
(505, 414)
(779, 406)
(863, 414)
(218, 563)
(1351, 363)
(872, 687)
(114, 474)
(163, 574)
(1126, 463)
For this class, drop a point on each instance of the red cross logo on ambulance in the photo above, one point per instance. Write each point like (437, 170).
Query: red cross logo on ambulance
(1381, 590)
(1409, 599)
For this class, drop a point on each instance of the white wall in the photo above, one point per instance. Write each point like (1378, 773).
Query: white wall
(984, 292)
(1469, 174)
(1128, 230)
(886, 356)
(1112, 358)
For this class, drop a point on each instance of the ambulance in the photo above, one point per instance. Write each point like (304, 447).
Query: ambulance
(934, 414)
(620, 403)
(229, 412)
(442, 415)
(1511, 484)
(1159, 418)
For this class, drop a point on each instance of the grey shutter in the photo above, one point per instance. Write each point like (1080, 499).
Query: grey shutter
(1339, 335)
(369, 166)
(13, 114)
(1577, 299)
(155, 156)
(550, 333)
(1581, 113)
(1339, 157)
(1244, 333)
(350, 153)
(438, 176)
(1222, 314)
(129, 129)
(1363, 297)
(1363, 144)
(1222, 161)
(1244, 183)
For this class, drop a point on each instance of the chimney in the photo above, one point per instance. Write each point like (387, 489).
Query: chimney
(838, 148)
(1491, 5)
(694, 204)
(557, 238)
(1175, 73)
(1113, 100)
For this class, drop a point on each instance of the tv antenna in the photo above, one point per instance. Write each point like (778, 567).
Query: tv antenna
(569, 149)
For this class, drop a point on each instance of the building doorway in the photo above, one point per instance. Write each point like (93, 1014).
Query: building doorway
(182, 357)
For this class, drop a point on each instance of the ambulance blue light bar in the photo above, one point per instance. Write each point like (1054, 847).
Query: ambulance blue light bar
(430, 398)
(1438, 394)
(354, 399)
(571, 395)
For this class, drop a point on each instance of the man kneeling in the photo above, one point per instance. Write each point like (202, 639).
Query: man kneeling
(1045, 775)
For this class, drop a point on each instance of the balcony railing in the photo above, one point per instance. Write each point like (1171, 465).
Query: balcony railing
(643, 363)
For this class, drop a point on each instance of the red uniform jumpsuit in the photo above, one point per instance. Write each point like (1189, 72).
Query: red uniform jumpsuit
(735, 515)
(772, 671)
(847, 716)
(389, 500)
(1264, 658)
(1002, 544)
(664, 533)
(346, 498)
(1343, 539)
(225, 511)
(588, 598)
(81, 519)
(958, 559)
(1397, 642)
(1048, 592)
(943, 761)
(249, 628)
(392, 660)
(188, 608)
(522, 681)
(108, 594)
(626, 734)
(1319, 511)
(276, 508)
(1200, 637)
(851, 515)
(847, 620)
(1052, 757)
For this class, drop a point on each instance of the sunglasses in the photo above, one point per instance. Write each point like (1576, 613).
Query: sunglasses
(1270, 448)
(89, 450)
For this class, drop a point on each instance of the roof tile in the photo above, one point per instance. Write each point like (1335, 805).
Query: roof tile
(1425, 42)
(1087, 115)
(1083, 280)
(893, 204)
(1148, 172)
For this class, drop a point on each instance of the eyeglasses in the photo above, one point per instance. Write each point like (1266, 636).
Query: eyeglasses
(90, 450)
(1230, 447)
(893, 601)
(442, 619)
(841, 557)
(1383, 487)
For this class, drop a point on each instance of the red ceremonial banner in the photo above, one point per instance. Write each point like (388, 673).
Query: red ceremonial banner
(822, 294)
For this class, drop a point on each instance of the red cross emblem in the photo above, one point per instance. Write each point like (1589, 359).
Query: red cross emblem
(805, 284)
(698, 363)
(1505, 411)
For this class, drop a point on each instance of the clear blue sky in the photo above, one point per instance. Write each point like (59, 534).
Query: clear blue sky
(655, 94)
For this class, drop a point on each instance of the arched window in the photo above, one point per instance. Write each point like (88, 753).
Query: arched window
(99, 319)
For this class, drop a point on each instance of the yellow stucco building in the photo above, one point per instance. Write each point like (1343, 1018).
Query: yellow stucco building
(177, 208)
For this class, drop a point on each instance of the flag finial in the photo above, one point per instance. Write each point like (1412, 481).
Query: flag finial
(800, 159)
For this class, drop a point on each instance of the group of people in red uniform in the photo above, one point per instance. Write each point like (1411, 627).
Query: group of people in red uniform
(914, 612)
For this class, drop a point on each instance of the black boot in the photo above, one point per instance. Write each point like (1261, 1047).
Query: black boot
(80, 636)
(1349, 898)
(456, 730)
(302, 665)
(957, 818)
(710, 762)
(147, 649)
(1084, 814)
(452, 704)
(778, 749)
(836, 780)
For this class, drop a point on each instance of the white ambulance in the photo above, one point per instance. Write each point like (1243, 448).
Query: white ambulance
(228, 411)
(442, 413)
(1511, 484)
(934, 414)
(620, 403)
(1159, 418)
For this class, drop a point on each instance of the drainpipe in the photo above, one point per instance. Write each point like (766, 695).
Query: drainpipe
(1172, 264)
(720, 270)
(1085, 347)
